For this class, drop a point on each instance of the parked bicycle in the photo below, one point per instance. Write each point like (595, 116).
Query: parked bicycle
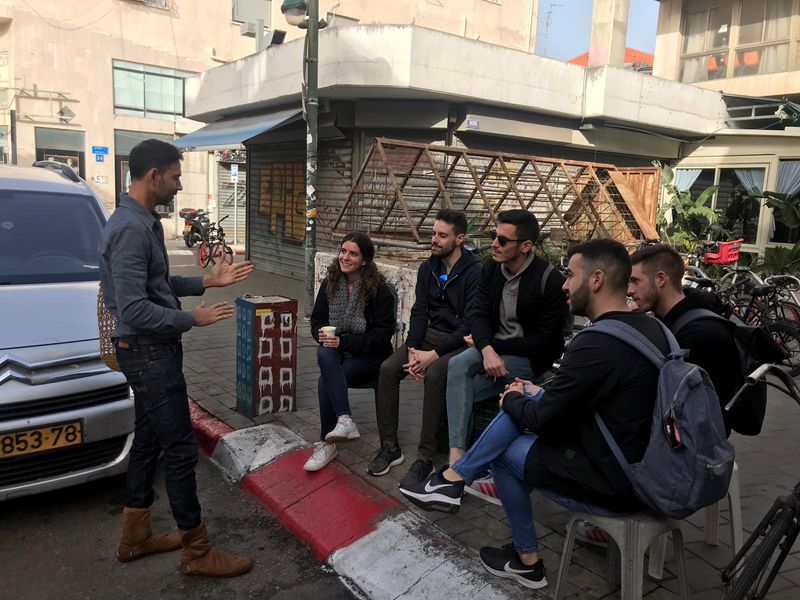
(754, 567)
(214, 248)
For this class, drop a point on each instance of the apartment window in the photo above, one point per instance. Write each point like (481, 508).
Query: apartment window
(763, 41)
(148, 91)
(747, 37)
(705, 44)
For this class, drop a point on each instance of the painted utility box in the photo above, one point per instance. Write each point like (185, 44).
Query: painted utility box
(266, 354)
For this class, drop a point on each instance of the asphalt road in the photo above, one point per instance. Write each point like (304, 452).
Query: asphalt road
(61, 545)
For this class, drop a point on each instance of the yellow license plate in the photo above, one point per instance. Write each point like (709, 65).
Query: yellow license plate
(187, 228)
(41, 439)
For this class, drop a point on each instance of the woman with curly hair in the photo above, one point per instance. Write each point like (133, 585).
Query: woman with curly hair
(355, 300)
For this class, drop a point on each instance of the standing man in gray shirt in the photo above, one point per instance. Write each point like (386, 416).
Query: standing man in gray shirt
(139, 290)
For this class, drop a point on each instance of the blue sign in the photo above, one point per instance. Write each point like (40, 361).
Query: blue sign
(99, 150)
(99, 158)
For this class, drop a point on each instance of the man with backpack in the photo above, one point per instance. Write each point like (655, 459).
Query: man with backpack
(565, 453)
(656, 285)
(516, 327)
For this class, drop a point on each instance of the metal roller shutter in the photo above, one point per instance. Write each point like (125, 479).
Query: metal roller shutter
(225, 206)
(276, 208)
(334, 179)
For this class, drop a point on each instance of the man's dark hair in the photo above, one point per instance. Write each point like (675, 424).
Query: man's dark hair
(455, 218)
(609, 256)
(152, 154)
(661, 257)
(527, 225)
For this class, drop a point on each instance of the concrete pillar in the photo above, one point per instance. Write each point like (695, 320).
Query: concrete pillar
(609, 30)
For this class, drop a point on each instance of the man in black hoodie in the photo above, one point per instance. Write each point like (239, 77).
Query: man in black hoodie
(656, 285)
(446, 284)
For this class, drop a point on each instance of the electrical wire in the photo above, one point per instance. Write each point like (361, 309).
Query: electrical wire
(49, 21)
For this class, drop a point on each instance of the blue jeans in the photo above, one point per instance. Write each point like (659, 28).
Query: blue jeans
(337, 372)
(504, 448)
(163, 424)
(466, 381)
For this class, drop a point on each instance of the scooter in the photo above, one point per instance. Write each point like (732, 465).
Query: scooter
(195, 225)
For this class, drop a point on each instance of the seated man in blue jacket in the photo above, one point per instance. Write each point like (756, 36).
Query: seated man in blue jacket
(548, 440)
(446, 284)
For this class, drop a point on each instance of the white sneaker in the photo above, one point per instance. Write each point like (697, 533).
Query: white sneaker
(345, 430)
(323, 454)
(485, 489)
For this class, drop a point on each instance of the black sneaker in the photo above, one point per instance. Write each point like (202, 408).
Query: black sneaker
(388, 456)
(505, 562)
(435, 493)
(419, 471)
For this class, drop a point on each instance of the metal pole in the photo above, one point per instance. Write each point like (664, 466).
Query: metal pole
(236, 210)
(312, 111)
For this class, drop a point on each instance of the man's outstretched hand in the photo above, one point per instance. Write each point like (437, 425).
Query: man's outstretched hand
(222, 275)
(208, 315)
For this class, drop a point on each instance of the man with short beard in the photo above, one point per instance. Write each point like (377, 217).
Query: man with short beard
(656, 285)
(446, 284)
(140, 291)
(548, 440)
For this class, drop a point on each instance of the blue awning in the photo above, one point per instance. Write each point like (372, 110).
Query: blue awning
(232, 133)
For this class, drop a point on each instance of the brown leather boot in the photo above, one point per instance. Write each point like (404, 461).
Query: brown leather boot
(137, 538)
(199, 558)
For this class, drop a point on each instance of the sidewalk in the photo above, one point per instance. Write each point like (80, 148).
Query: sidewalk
(767, 464)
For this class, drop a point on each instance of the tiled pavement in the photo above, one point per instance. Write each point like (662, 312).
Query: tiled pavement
(768, 464)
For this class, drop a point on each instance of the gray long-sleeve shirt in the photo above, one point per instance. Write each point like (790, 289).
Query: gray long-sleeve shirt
(134, 273)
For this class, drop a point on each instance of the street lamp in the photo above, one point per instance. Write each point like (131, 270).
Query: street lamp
(305, 14)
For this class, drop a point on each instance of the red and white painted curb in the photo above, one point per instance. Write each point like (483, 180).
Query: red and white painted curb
(365, 535)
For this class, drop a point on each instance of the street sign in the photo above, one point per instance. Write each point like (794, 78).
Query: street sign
(99, 158)
(99, 150)
(234, 173)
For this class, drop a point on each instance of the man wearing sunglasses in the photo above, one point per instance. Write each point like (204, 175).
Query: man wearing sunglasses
(517, 327)
(446, 283)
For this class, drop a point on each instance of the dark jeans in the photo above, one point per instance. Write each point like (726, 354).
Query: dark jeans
(387, 399)
(163, 425)
(337, 372)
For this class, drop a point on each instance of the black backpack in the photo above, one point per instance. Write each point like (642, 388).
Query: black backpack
(756, 347)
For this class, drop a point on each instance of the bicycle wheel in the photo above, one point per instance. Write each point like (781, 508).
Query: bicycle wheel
(204, 254)
(786, 310)
(757, 562)
(787, 335)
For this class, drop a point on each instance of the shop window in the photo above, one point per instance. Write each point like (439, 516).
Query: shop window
(62, 145)
(282, 199)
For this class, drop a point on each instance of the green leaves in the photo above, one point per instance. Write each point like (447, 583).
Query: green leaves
(786, 208)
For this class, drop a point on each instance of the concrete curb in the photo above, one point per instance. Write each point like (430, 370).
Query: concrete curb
(369, 538)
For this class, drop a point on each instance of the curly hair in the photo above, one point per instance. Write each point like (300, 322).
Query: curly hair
(371, 277)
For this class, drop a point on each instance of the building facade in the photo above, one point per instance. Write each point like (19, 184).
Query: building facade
(748, 50)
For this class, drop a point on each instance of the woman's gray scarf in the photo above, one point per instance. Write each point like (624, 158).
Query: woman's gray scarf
(346, 311)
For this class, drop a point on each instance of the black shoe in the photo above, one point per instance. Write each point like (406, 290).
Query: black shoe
(388, 456)
(435, 493)
(419, 471)
(505, 562)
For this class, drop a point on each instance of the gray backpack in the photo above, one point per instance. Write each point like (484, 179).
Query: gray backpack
(688, 461)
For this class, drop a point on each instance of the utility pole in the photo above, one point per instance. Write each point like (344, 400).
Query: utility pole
(305, 14)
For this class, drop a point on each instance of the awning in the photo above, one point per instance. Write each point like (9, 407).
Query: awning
(232, 133)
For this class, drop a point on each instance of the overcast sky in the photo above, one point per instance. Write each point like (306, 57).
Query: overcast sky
(570, 21)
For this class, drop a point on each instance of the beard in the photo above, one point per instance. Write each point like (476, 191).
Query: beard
(443, 251)
(579, 299)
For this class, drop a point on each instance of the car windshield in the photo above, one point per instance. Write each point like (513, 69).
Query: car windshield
(48, 238)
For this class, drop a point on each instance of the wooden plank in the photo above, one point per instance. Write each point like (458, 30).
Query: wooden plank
(637, 210)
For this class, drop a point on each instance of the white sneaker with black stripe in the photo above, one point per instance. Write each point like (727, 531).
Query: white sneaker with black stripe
(505, 562)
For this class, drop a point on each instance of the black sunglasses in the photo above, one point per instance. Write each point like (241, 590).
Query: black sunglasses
(442, 283)
(502, 240)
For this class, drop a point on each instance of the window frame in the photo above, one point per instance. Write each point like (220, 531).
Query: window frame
(118, 65)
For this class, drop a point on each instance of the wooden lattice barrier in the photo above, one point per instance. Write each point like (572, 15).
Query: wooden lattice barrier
(402, 185)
